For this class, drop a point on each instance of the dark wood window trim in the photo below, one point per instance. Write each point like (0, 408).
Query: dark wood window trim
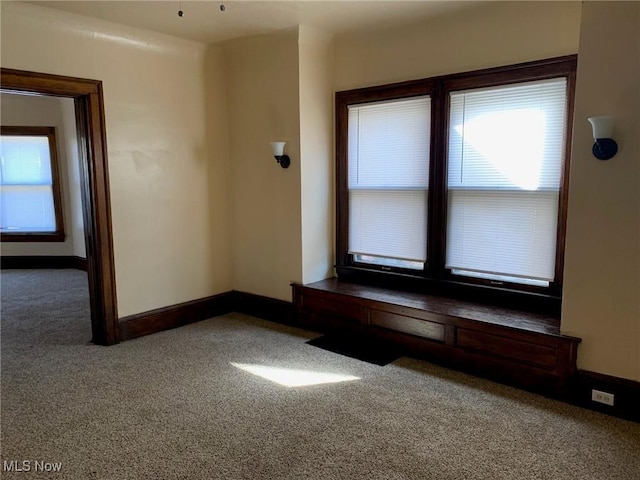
(58, 235)
(435, 278)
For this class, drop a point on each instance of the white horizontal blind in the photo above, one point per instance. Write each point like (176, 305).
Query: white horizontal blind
(388, 179)
(505, 157)
(26, 185)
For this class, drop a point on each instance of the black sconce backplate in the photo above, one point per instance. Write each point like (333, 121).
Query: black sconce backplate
(283, 160)
(605, 148)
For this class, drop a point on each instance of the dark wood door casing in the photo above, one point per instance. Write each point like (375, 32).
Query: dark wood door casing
(96, 206)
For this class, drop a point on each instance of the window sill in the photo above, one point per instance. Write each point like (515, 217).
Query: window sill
(490, 296)
(34, 237)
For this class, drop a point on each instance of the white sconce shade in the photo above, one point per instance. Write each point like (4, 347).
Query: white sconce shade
(278, 148)
(605, 147)
(602, 126)
(278, 152)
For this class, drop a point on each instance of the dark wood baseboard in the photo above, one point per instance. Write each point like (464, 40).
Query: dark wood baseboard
(43, 261)
(581, 383)
(626, 394)
(267, 308)
(174, 316)
(79, 263)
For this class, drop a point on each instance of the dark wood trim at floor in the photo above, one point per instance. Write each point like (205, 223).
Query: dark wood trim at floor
(174, 316)
(43, 261)
(80, 263)
(267, 308)
(626, 394)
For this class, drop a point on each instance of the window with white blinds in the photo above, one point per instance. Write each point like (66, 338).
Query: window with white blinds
(388, 179)
(26, 185)
(505, 156)
(457, 184)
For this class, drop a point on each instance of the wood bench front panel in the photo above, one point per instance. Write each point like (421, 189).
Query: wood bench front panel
(525, 358)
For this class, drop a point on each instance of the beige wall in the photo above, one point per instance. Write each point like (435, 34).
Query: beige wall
(316, 153)
(283, 220)
(219, 178)
(280, 88)
(602, 288)
(73, 176)
(602, 268)
(195, 214)
(160, 163)
(22, 110)
(488, 35)
(263, 106)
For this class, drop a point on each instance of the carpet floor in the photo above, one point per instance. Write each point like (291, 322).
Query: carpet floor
(235, 397)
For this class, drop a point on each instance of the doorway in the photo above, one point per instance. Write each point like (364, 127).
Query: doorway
(94, 184)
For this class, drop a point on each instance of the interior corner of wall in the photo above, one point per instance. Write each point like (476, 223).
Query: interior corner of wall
(307, 33)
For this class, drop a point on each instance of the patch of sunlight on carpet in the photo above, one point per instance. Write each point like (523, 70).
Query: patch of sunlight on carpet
(290, 377)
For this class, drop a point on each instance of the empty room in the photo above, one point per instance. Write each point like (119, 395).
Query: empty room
(320, 239)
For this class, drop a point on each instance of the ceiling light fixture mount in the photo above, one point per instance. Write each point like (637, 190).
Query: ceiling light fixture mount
(181, 12)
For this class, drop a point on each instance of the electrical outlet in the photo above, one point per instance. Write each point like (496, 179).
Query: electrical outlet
(602, 397)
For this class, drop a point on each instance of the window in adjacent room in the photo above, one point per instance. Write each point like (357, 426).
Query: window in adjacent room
(458, 179)
(30, 204)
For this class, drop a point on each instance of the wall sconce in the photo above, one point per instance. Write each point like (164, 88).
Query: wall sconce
(605, 147)
(278, 152)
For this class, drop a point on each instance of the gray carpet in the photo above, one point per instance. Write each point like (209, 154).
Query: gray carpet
(174, 406)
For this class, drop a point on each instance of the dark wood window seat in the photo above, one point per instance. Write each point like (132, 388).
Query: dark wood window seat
(522, 349)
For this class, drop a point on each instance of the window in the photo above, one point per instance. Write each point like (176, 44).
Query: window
(30, 208)
(388, 217)
(459, 180)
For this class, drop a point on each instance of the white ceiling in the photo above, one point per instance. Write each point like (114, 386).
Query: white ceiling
(204, 22)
